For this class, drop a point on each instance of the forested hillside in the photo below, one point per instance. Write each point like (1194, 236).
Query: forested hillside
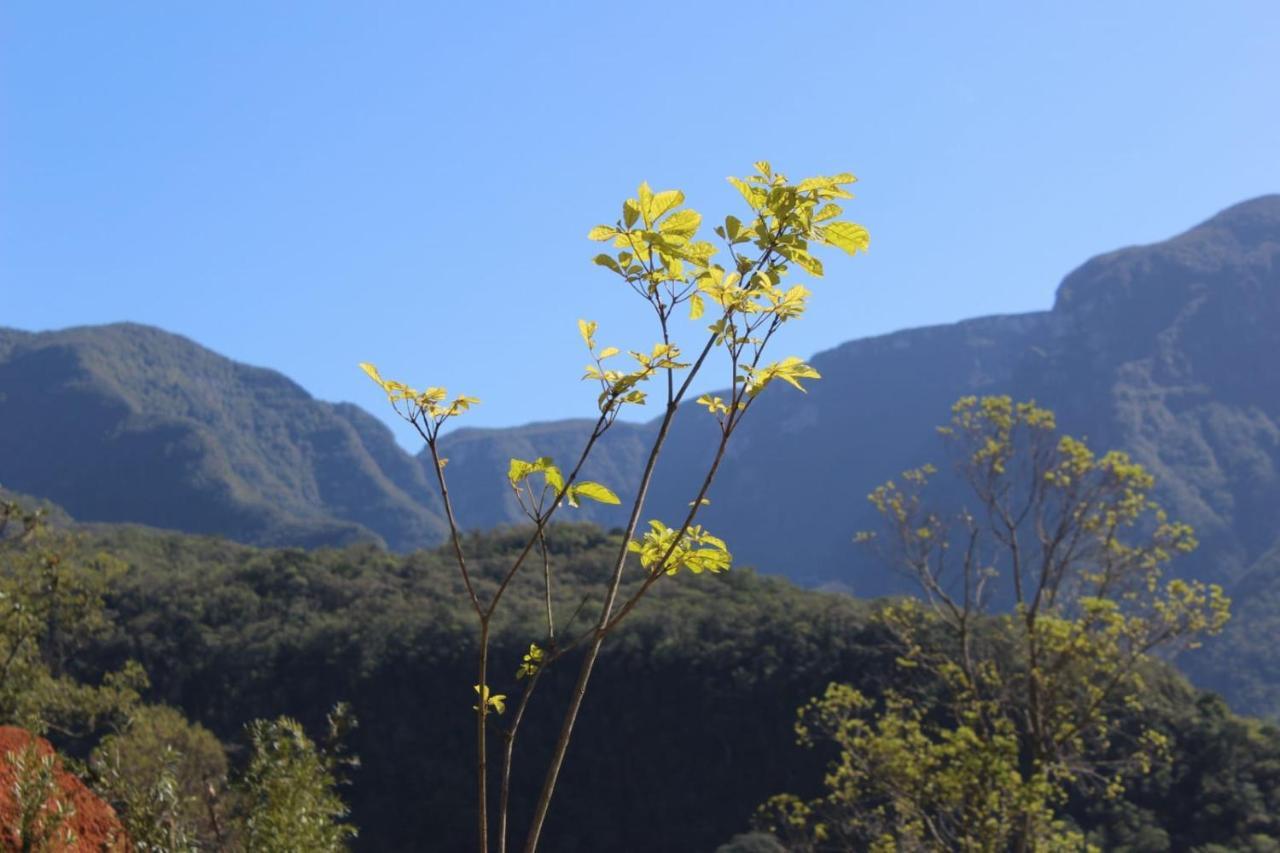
(687, 730)
(130, 423)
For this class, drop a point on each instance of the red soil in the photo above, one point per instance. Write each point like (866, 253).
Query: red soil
(96, 827)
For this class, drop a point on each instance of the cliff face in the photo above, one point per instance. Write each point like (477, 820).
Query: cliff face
(1172, 352)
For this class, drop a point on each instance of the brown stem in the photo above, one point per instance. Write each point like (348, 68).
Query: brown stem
(454, 535)
(508, 753)
(659, 568)
(546, 585)
(598, 636)
(542, 519)
(593, 651)
(604, 622)
(482, 759)
(211, 804)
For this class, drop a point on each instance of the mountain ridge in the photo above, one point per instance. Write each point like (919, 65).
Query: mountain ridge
(229, 448)
(1166, 350)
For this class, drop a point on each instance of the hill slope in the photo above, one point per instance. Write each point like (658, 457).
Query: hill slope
(130, 423)
(1169, 351)
(688, 724)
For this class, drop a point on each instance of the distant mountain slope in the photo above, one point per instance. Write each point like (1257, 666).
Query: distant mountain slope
(478, 460)
(1170, 351)
(804, 459)
(129, 423)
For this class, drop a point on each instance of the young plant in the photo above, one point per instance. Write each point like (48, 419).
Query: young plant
(656, 252)
(1042, 603)
(289, 789)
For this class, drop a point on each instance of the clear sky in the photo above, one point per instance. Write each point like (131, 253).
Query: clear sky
(308, 185)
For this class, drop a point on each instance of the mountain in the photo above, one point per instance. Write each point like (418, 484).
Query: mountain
(800, 465)
(130, 423)
(478, 460)
(1170, 351)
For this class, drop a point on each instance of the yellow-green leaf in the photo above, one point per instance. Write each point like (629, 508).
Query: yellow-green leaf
(683, 223)
(696, 306)
(805, 261)
(518, 470)
(373, 374)
(596, 492)
(587, 328)
(646, 203)
(847, 236)
(664, 201)
(754, 196)
(827, 211)
(607, 261)
(554, 478)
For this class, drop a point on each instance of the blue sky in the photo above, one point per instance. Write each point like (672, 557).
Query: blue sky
(308, 185)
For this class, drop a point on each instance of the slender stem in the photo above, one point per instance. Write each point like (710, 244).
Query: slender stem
(454, 535)
(542, 519)
(482, 705)
(659, 568)
(546, 583)
(602, 625)
(482, 758)
(593, 651)
(731, 423)
(508, 753)
(211, 805)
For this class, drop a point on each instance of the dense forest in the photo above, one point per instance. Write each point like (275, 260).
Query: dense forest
(687, 732)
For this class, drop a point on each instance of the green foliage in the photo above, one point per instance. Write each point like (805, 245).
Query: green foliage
(51, 607)
(535, 500)
(1036, 703)
(162, 773)
(41, 814)
(170, 434)
(290, 794)
(232, 633)
(752, 842)
(166, 778)
(901, 782)
(664, 549)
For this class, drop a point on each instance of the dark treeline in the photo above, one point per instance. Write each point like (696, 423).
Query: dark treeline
(686, 731)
